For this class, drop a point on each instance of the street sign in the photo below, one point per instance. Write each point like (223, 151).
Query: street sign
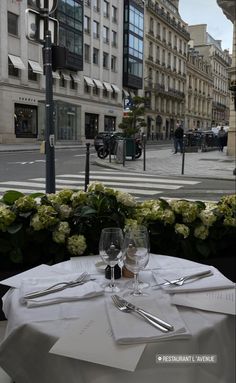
(39, 5)
(35, 26)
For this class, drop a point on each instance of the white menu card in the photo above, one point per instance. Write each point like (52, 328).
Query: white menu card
(220, 301)
(90, 339)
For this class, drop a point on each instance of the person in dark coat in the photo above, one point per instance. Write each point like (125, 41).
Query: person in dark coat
(178, 139)
(222, 138)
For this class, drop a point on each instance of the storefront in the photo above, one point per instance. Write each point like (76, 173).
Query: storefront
(25, 117)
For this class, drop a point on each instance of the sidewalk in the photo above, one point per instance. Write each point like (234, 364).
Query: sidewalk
(160, 160)
(163, 162)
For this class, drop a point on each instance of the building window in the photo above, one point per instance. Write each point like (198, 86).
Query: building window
(12, 71)
(70, 16)
(95, 91)
(96, 4)
(135, 46)
(105, 93)
(86, 24)
(151, 26)
(105, 60)
(114, 14)
(95, 29)
(109, 124)
(25, 121)
(114, 38)
(87, 53)
(73, 84)
(105, 34)
(91, 125)
(105, 8)
(113, 63)
(95, 56)
(62, 81)
(32, 75)
(12, 23)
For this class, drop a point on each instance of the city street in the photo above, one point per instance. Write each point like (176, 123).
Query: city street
(25, 171)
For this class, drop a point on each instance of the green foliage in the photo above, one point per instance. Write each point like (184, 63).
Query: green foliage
(135, 120)
(68, 223)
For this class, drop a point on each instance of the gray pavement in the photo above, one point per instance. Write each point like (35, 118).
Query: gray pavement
(160, 160)
(163, 162)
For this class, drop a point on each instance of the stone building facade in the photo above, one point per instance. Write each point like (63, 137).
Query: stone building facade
(84, 101)
(220, 61)
(198, 107)
(229, 9)
(165, 57)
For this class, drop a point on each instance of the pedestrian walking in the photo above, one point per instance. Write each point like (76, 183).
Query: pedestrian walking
(221, 139)
(178, 139)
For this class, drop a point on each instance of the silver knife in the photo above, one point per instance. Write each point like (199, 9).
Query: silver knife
(145, 313)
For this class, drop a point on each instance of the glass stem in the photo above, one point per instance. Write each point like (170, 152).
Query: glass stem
(112, 283)
(136, 289)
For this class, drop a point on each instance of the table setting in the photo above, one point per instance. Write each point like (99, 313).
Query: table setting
(88, 328)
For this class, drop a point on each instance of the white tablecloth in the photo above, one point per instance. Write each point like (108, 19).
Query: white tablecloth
(24, 354)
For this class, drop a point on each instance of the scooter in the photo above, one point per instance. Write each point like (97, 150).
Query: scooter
(109, 146)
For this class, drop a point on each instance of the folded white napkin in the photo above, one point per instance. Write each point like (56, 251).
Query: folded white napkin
(130, 328)
(211, 282)
(86, 290)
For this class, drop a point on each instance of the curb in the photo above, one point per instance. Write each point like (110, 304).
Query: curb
(117, 167)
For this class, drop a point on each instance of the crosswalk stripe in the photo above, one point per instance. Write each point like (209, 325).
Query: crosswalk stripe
(148, 178)
(110, 183)
(137, 184)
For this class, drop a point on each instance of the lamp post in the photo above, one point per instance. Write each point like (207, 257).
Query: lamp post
(49, 129)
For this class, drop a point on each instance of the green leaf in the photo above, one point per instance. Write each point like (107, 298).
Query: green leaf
(36, 195)
(14, 228)
(86, 211)
(11, 196)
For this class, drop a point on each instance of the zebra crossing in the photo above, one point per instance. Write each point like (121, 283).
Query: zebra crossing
(138, 184)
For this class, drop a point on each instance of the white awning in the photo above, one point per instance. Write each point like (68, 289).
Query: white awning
(66, 76)
(126, 93)
(88, 81)
(115, 88)
(98, 83)
(56, 75)
(108, 86)
(17, 62)
(75, 77)
(36, 68)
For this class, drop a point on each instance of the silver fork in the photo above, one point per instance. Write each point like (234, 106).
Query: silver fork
(62, 285)
(180, 281)
(122, 307)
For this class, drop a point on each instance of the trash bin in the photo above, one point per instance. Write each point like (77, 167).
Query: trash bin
(130, 147)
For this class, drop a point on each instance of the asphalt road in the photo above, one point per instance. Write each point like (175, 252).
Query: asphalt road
(24, 166)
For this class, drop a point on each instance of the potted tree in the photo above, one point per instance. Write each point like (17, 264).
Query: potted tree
(132, 123)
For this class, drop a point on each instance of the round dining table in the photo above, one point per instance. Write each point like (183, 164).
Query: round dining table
(32, 332)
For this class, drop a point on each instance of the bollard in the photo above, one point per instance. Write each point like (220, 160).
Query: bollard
(87, 167)
(144, 152)
(124, 151)
(183, 154)
(109, 148)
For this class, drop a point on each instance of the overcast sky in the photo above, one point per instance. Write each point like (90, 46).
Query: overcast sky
(208, 12)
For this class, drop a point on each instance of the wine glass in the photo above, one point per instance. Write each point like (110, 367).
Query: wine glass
(110, 250)
(136, 256)
(139, 229)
